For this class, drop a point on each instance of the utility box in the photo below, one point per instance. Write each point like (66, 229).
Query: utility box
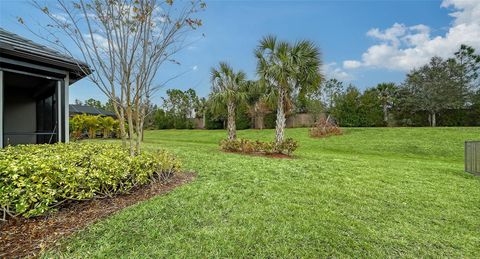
(472, 157)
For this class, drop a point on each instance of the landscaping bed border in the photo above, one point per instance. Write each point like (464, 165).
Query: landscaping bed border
(22, 237)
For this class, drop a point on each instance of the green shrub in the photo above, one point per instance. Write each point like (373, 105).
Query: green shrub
(242, 120)
(212, 122)
(34, 179)
(287, 147)
(91, 124)
(270, 120)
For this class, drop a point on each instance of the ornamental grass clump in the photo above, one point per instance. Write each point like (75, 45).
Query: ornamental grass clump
(325, 127)
(35, 179)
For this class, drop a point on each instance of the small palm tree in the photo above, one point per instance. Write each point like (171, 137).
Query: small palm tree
(287, 67)
(226, 89)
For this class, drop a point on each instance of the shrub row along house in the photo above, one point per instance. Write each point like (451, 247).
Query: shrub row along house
(34, 83)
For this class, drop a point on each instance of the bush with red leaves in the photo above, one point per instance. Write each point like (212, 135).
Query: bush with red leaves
(325, 127)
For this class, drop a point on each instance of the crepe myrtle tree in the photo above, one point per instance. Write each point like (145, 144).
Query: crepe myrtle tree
(287, 68)
(227, 90)
(124, 43)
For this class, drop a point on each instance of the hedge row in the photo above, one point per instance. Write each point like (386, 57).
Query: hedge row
(34, 179)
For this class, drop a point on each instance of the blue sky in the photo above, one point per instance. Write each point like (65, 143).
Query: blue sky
(362, 42)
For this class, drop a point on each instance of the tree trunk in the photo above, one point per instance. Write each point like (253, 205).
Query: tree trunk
(130, 130)
(434, 119)
(139, 116)
(385, 114)
(280, 122)
(260, 121)
(121, 119)
(204, 118)
(231, 127)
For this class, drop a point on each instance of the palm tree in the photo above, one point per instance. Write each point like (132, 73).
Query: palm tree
(201, 109)
(386, 92)
(226, 89)
(287, 67)
(260, 100)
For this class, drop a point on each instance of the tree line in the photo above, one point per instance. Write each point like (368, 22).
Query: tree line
(444, 92)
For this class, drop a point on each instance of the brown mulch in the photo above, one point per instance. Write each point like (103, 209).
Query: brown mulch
(20, 237)
(281, 156)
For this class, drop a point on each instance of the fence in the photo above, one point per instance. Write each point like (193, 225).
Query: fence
(472, 157)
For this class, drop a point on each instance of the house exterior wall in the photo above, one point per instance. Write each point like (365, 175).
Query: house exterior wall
(19, 116)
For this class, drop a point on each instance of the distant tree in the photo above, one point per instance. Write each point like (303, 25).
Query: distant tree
(94, 103)
(109, 106)
(201, 107)
(226, 90)
(331, 89)
(314, 103)
(469, 62)
(191, 103)
(436, 86)
(315, 107)
(288, 68)
(180, 106)
(386, 94)
(371, 108)
(346, 108)
(162, 120)
(78, 102)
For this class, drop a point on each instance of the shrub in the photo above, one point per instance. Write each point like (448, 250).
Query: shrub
(107, 125)
(287, 147)
(324, 128)
(34, 179)
(270, 119)
(90, 124)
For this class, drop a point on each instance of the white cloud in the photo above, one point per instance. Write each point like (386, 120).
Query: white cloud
(331, 70)
(194, 67)
(404, 47)
(100, 41)
(61, 17)
(350, 64)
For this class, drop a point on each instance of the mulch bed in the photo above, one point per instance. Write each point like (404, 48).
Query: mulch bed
(281, 156)
(20, 237)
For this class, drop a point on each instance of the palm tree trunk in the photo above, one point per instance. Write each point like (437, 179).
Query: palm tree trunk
(231, 127)
(385, 113)
(280, 122)
(260, 121)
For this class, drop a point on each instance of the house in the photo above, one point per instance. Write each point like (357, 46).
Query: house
(34, 83)
(76, 109)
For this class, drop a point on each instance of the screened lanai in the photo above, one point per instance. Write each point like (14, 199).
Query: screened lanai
(34, 84)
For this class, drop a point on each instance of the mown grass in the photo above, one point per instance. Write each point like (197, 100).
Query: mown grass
(396, 192)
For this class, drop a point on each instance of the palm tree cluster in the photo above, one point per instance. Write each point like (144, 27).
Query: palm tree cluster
(283, 69)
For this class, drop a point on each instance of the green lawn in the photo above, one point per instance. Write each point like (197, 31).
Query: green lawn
(369, 193)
